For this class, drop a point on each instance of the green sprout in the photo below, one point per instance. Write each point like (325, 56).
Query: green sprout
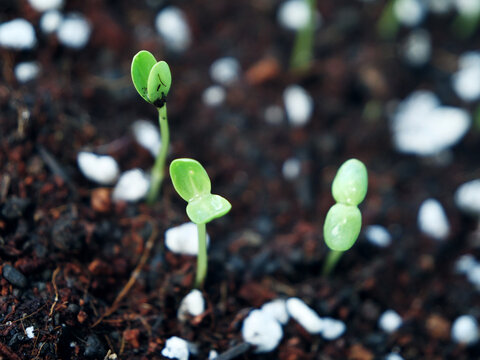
(302, 52)
(344, 220)
(192, 183)
(152, 80)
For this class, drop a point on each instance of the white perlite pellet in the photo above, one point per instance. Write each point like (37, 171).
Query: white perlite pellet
(378, 235)
(102, 169)
(393, 356)
(333, 328)
(291, 168)
(298, 105)
(432, 219)
(277, 309)
(294, 14)
(466, 81)
(305, 315)
(465, 264)
(17, 34)
(193, 304)
(465, 330)
(467, 197)
(183, 239)
(390, 321)
(74, 31)
(50, 21)
(422, 126)
(176, 348)
(26, 71)
(30, 332)
(214, 95)
(172, 26)
(262, 331)
(132, 186)
(225, 71)
(147, 135)
(409, 12)
(44, 5)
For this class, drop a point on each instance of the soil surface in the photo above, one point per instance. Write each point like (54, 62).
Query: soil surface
(67, 250)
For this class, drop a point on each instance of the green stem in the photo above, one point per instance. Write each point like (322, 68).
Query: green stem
(202, 255)
(158, 171)
(388, 25)
(303, 48)
(331, 261)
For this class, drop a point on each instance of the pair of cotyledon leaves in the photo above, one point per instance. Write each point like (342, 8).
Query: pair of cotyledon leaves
(192, 183)
(344, 220)
(152, 79)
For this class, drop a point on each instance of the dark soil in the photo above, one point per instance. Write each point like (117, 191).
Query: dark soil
(67, 251)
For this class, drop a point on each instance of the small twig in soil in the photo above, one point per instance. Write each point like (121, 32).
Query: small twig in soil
(235, 351)
(7, 352)
(133, 277)
(54, 275)
(55, 167)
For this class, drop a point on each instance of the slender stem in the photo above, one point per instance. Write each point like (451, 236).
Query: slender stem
(303, 48)
(388, 25)
(331, 261)
(202, 255)
(158, 171)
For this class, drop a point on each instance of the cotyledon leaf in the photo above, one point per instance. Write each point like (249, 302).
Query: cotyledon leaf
(342, 227)
(159, 82)
(142, 63)
(350, 184)
(189, 178)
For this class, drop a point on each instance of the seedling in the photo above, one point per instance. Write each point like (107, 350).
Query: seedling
(192, 183)
(344, 220)
(302, 52)
(152, 80)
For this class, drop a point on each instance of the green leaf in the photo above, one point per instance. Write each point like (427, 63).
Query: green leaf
(159, 82)
(204, 209)
(189, 179)
(342, 227)
(142, 63)
(350, 184)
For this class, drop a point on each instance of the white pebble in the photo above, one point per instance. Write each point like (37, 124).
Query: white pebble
(378, 235)
(409, 12)
(277, 309)
(422, 126)
(102, 169)
(74, 31)
(305, 315)
(294, 14)
(465, 330)
(214, 95)
(418, 48)
(466, 81)
(17, 34)
(176, 348)
(333, 328)
(432, 219)
(29, 331)
(262, 331)
(298, 105)
(147, 135)
(193, 304)
(468, 8)
(465, 264)
(274, 115)
(133, 185)
(183, 239)
(390, 321)
(225, 71)
(172, 26)
(467, 197)
(291, 168)
(44, 5)
(26, 71)
(473, 275)
(50, 21)
(393, 356)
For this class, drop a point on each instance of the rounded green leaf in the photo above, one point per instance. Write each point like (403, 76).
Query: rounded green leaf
(159, 82)
(204, 209)
(142, 63)
(189, 179)
(342, 227)
(350, 184)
